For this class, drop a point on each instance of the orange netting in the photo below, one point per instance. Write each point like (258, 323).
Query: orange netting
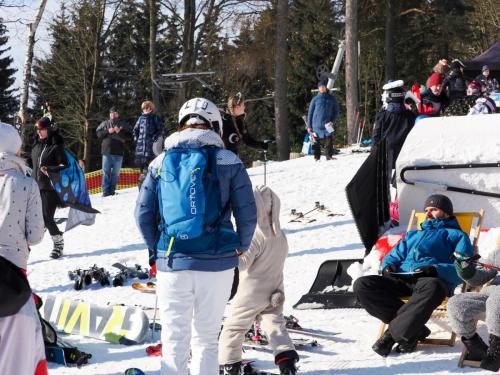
(129, 177)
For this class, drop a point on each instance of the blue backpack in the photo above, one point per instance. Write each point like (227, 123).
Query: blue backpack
(190, 204)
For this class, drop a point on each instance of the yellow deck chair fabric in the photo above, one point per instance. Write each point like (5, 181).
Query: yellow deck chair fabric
(465, 221)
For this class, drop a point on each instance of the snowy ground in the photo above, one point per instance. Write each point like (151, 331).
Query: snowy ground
(299, 183)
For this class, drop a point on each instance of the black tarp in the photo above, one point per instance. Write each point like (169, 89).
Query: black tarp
(490, 57)
(368, 195)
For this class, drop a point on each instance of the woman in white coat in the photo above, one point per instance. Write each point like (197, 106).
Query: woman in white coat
(21, 225)
(260, 291)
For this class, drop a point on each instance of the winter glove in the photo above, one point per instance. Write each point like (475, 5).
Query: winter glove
(426, 271)
(464, 266)
(389, 269)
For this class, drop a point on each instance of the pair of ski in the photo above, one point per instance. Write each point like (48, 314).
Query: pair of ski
(318, 207)
(248, 368)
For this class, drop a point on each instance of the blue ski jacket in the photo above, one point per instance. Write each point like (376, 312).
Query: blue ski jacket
(147, 130)
(322, 110)
(433, 245)
(235, 187)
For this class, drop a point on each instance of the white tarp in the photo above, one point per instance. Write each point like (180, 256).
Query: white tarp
(452, 140)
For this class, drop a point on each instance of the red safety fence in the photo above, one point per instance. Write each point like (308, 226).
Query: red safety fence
(129, 177)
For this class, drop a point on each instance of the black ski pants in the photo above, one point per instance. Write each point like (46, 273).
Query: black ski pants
(50, 201)
(381, 297)
(317, 147)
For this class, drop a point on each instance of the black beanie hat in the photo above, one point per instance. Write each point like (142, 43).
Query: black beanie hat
(440, 201)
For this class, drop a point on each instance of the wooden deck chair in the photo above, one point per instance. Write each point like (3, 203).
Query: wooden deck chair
(465, 221)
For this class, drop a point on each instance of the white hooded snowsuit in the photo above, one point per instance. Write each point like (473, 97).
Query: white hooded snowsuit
(260, 290)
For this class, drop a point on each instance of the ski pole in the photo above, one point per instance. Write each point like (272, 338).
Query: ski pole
(154, 317)
(265, 169)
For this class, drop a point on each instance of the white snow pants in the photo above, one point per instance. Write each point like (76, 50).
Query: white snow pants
(21, 341)
(191, 301)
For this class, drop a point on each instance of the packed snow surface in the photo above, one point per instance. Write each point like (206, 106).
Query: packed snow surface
(299, 183)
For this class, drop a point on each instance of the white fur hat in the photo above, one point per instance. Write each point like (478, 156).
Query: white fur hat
(10, 141)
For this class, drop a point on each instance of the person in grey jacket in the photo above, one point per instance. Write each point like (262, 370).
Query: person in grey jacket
(260, 291)
(321, 118)
(112, 133)
(21, 226)
(466, 308)
(194, 282)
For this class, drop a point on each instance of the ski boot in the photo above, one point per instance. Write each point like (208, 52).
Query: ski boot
(492, 360)
(57, 252)
(232, 369)
(286, 361)
(476, 348)
(383, 346)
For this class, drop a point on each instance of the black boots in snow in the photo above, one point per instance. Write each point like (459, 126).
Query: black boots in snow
(286, 361)
(383, 346)
(492, 360)
(232, 369)
(57, 252)
(476, 348)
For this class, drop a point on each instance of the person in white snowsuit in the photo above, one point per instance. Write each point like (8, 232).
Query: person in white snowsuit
(260, 291)
(465, 309)
(21, 225)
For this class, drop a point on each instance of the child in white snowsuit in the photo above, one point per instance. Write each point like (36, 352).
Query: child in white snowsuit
(466, 308)
(260, 291)
(21, 224)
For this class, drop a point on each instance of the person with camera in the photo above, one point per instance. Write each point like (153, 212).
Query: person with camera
(419, 266)
(21, 225)
(112, 133)
(234, 129)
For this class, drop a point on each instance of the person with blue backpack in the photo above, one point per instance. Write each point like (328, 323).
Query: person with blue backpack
(184, 213)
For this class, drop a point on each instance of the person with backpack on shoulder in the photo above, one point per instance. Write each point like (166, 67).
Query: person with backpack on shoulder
(260, 291)
(47, 156)
(193, 187)
(321, 117)
(22, 349)
(148, 133)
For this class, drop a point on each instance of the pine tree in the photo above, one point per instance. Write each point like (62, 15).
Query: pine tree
(8, 100)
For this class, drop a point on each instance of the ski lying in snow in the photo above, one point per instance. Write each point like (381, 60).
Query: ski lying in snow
(299, 343)
(318, 207)
(293, 326)
(247, 368)
(149, 287)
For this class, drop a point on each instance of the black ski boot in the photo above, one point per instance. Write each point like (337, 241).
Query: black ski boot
(476, 348)
(410, 346)
(232, 369)
(492, 360)
(286, 361)
(383, 346)
(57, 252)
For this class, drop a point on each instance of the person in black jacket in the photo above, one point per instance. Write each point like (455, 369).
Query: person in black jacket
(112, 133)
(47, 156)
(234, 130)
(393, 123)
(455, 84)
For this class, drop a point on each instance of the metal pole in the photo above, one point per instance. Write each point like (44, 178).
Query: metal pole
(265, 169)
(336, 64)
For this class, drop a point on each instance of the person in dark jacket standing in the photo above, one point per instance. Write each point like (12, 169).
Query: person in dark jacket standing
(488, 83)
(234, 129)
(323, 112)
(112, 133)
(421, 266)
(47, 156)
(455, 84)
(147, 131)
(393, 123)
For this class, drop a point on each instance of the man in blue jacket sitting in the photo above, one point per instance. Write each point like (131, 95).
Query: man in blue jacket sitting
(323, 112)
(420, 266)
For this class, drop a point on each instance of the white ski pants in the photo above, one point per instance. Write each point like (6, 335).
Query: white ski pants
(21, 341)
(191, 301)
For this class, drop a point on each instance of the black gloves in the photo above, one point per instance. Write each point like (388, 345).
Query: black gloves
(426, 271)
(389, 269)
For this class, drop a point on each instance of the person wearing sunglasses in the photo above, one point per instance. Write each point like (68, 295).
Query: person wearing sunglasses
(234, 129)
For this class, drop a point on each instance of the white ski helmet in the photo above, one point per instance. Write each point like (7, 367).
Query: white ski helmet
(203, 109)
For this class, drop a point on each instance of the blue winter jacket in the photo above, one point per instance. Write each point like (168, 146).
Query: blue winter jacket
(235, 187)
(147, 130)
(322, 110)
(433, 245)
